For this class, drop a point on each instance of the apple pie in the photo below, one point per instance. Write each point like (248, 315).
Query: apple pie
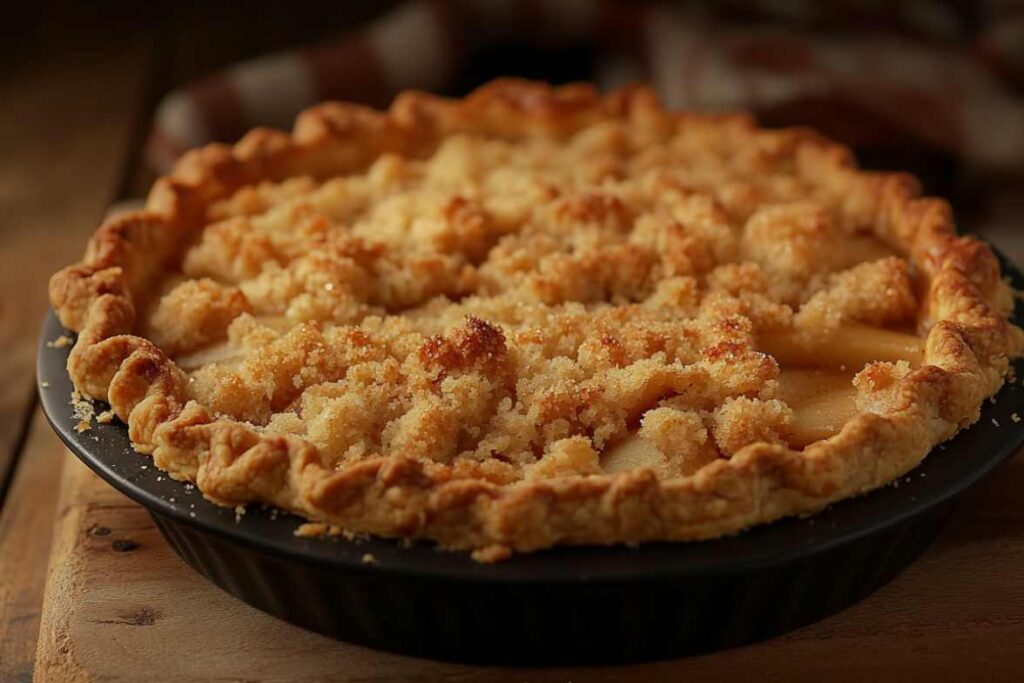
(536, 316)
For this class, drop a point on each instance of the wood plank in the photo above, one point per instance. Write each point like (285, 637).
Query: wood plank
(957, 614)
(67, 120)
(26, 528)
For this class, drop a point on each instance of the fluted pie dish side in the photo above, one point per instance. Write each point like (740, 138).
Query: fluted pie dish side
(650, 384)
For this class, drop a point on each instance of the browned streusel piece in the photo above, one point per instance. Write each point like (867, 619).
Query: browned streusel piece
(195, 313)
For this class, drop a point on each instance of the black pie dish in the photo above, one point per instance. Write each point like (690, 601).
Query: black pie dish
(562, 606)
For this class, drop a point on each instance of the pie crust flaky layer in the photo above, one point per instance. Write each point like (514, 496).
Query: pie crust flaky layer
(536, 316)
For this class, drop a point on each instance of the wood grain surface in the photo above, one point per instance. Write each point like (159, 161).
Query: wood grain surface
(119, 600)
(83, 109)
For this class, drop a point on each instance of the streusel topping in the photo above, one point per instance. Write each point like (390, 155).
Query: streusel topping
(537, 308)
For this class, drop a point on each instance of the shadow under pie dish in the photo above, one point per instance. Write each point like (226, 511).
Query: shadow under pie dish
(534, 317)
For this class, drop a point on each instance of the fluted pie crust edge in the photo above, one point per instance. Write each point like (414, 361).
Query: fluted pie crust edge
(966, 355)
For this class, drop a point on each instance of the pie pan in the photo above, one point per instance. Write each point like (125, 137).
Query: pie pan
(567, 605)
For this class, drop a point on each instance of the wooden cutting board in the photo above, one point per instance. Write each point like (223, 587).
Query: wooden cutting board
(120, 606)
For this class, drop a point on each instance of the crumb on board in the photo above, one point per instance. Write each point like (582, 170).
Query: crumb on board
(995, 422)
(1015, 417)
(44, 384)
(106, 417)
(239, 513)
(368, 558)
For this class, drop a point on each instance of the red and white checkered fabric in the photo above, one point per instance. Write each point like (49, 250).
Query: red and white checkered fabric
(876, 68)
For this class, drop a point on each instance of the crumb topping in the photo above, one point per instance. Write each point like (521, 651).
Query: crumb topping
(524, 306)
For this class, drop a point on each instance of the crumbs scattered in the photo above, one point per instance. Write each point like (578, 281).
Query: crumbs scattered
(311, 529)
(995, 422)
(83, 410)
(60, 342)
(106, 417)
(368, 558)
(314, 529)
(352, 536)
(492, 553)
(1015, 417)
(239, 513)
(44, 384)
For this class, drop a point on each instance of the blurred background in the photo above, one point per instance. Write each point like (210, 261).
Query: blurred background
(933, 87)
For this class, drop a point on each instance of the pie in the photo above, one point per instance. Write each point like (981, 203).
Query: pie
(536, 316)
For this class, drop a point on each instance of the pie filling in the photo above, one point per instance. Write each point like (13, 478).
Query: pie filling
(536, 309)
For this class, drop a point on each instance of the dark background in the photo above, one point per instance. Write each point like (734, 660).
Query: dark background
(187, 40)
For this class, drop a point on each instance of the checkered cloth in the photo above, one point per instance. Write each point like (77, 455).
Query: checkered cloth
(897, 70)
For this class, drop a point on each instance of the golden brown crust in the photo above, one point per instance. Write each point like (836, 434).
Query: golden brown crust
(565, 498)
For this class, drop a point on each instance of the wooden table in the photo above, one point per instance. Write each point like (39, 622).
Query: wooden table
(75, 109)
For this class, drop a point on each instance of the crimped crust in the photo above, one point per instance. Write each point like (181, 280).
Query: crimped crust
(905, 412)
